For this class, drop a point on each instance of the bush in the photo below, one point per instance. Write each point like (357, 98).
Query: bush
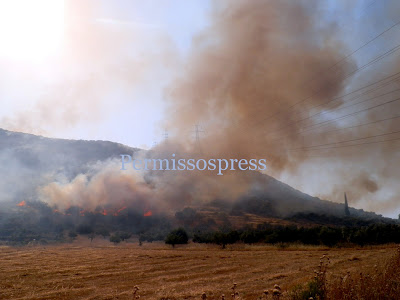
(381, 283)
(124, 235)
(84, 229)
(103, 232)
(316, 288)
(72, 234)
(115, 239)
(177, 236)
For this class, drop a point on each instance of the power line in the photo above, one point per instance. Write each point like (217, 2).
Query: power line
(321, 124)
(341, 60)
(347, 141)
(359, 89)
(317, 91)
(369, 42)
(360, 125)
(348, 115)
(387, 53)
(353, 145)
(336, 109)
(364, 45)
(312, 127)
(348, 154)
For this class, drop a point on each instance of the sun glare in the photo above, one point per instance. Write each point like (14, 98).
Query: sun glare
(30, 29)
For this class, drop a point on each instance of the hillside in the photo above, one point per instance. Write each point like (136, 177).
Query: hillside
(28, 161)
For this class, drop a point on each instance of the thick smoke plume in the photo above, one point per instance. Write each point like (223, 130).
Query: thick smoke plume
(260, 80)
(106, 186)
(266, 75)
(257, 59)
(249, 64)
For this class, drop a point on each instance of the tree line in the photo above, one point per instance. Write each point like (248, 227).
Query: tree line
(374, 234)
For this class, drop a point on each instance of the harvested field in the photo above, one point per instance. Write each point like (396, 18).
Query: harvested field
(101, 271)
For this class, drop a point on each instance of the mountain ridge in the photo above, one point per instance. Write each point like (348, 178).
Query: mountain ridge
(27, 158)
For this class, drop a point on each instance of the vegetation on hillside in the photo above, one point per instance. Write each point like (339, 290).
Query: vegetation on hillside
(375, 234)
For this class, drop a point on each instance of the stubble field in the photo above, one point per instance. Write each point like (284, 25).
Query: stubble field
(103, 271)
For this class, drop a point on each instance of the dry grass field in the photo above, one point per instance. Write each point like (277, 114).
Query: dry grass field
(103, 271)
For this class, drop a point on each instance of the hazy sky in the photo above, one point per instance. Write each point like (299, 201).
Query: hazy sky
(92, 69)
(98, 69)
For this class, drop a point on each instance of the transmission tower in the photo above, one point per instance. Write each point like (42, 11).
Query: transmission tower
(197, 132)
(165, 135)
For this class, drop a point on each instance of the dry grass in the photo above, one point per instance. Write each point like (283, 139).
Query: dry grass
(102, 271)
(380, 282)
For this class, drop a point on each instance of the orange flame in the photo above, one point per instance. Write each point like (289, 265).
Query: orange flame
(56, 211)
(84, 212)
(148, 213)
(22, 203)
(118, 211)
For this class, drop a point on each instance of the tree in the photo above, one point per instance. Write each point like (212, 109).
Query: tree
(103, 232)
(91, 236)
(72, 234)
(187, 216)
(223, 239)
(84, 229)
(124, 235)
(142, 238)
(115, 239)
(177, 236)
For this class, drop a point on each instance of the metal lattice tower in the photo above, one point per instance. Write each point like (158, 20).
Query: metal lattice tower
(165, 135)
(197, 132)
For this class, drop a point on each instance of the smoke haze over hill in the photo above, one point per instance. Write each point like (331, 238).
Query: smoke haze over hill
(287, 81)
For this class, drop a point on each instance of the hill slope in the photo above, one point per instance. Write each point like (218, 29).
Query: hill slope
(27, 161)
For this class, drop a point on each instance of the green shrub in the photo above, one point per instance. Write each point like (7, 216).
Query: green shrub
(72, 234)
(115, 239)
(177, 236)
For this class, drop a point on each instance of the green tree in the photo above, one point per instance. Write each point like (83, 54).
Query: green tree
(177, 236)
(115, 239)
(72, 234)
(91, 236)
(84, 229)
(124, 235)
(103, 232)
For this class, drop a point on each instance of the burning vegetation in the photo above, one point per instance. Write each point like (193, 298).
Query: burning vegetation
(244, 103)
(221, 223)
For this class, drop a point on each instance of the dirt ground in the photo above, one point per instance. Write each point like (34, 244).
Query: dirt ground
(100, 270)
